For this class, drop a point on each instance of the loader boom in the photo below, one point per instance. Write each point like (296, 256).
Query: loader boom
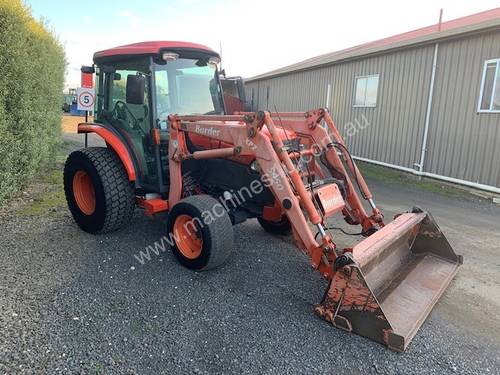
(243, 131)
(386, 271)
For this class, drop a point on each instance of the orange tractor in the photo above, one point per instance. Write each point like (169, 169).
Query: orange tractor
(172, 147)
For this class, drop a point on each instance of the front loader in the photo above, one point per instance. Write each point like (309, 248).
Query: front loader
(172, 148)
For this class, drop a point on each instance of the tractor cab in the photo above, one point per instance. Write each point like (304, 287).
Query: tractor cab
(139, 85)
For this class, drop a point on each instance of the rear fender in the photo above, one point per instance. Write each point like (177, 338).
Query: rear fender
(115, 143)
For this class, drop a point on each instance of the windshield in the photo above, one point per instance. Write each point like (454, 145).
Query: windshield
(187, 87)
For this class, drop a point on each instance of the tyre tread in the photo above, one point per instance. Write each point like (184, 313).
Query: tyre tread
(118, 190)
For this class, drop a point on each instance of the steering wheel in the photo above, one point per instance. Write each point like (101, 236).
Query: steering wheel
(121, 106)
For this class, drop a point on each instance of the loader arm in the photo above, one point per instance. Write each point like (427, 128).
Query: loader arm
(386, 285)
(309, 125)
(277, 171)
(243, 131)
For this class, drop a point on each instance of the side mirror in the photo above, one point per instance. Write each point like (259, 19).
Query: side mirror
(87, 69)
(135, 89)
(240, 84)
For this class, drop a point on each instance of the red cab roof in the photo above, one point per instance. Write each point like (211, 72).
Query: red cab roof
(150, 48)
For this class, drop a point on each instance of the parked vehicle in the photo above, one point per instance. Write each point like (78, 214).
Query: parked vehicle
(172, 147)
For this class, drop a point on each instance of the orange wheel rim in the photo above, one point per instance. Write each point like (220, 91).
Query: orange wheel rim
(84, 192)
(187, 237)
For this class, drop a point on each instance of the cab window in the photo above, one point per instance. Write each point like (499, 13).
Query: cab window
(187, 87)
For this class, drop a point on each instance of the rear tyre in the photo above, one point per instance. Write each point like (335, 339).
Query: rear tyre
(202, 232)
(99, 194)
(282, 227)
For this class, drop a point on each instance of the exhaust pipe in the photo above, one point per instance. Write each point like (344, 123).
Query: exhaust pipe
(393, 280)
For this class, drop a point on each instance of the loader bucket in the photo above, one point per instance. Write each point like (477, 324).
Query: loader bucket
(395, 278)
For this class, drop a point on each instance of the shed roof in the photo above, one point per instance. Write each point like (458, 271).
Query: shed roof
(475, 22)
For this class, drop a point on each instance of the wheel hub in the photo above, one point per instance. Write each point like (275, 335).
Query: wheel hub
(84, 192)
(187, 237)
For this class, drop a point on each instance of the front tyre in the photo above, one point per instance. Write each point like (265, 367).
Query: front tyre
(201, 231)
(99, 194)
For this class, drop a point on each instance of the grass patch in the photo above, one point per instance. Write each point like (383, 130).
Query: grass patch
(49, 196)
(46, 203)
(53, 177)
(50, 199)
(394, 177)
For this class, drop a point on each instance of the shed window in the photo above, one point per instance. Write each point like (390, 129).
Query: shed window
(489, 97)
(366, 88)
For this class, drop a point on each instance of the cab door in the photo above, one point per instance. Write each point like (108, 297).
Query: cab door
(133, 121)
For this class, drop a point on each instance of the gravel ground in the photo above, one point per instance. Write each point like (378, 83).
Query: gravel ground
(73, 303)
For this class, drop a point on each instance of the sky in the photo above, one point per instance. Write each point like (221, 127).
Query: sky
(256, 36)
